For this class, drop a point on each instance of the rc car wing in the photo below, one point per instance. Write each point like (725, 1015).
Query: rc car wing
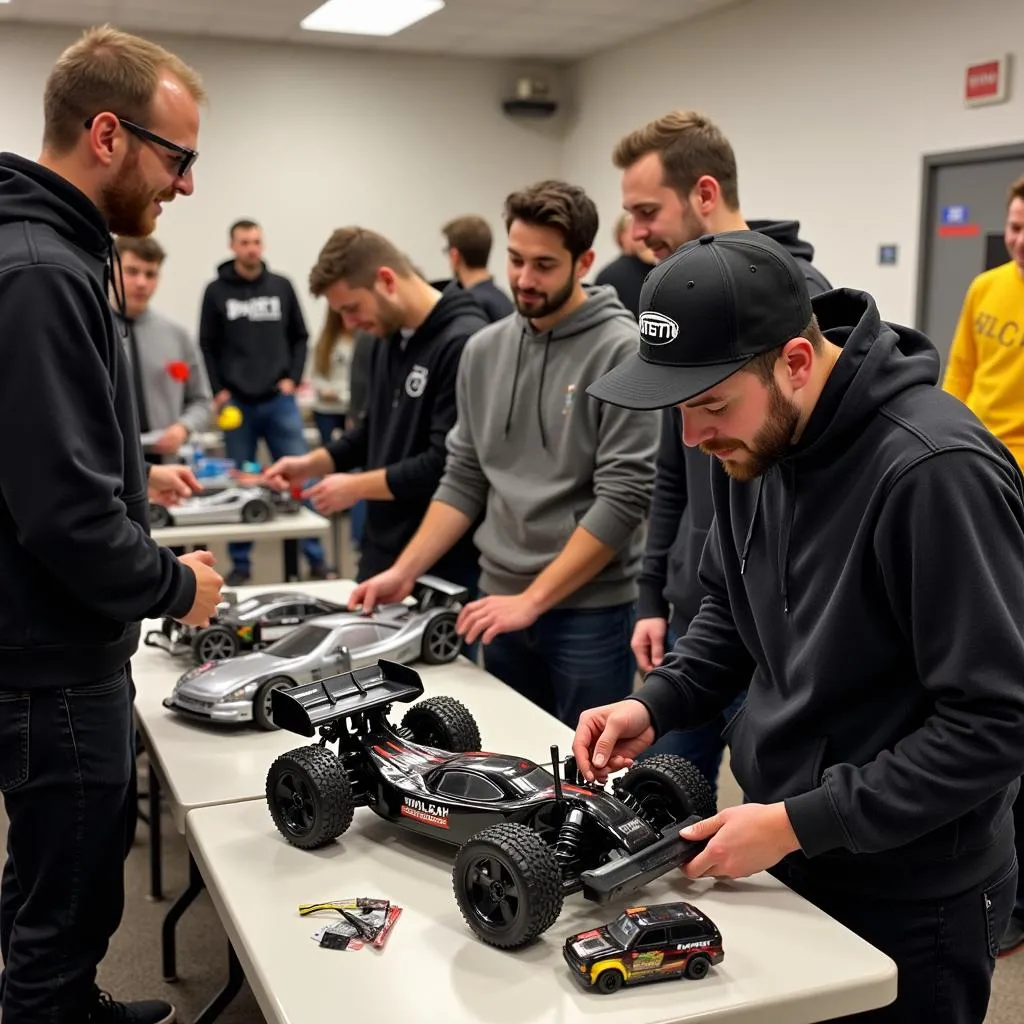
(432, 591)
(303, 709)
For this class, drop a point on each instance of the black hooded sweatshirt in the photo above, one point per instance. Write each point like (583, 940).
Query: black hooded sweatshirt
(252, 333)
(410, 410)
(681, 509)
(78, 569)
(870, 590)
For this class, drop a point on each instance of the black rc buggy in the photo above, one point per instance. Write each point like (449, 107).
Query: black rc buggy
(526, 836)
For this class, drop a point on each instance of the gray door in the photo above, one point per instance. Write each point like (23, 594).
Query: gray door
(962, 219)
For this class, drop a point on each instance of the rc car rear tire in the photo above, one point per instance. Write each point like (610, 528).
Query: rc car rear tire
(697, 967)
(443, 723)
(441, 644)
(257, 511)
(310, 797)
(609, 981)
(508, 885)
(214, 643)
(159, 517)
(668, 788)
(261, 711)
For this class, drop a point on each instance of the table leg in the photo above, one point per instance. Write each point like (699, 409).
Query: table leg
(173, 915)
(156, 887)
(291, 561)
(220, 1001)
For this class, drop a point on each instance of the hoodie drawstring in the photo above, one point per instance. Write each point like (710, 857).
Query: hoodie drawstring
(117, 283)
(515, 381)
(750, 528)
(540, 394)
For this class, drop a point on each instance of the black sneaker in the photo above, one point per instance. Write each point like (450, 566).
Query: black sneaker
(149, 1011)
(237, 578)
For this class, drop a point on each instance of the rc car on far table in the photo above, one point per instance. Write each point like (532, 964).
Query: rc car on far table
(239, 689)
(248, 625)
(526, 837)
(227, 505)
(667, 940)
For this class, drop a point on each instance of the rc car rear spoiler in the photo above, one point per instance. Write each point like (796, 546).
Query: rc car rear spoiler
(428, 589)
(303, 709)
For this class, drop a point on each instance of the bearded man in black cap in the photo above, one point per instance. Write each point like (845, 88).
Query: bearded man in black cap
(864, 576)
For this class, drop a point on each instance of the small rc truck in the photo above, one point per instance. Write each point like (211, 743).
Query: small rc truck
(527, 837)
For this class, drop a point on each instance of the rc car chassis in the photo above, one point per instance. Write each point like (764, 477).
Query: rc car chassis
(526, 837)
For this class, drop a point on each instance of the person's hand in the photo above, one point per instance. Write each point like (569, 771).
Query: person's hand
(171, 439)
(491, 616)
(608, 738)
(208, 584)
(386, 587)
(169, 484)
(741, 841)
(648, 642)
(221, 397)
(290, 470)
(336, 492)
(286, 386)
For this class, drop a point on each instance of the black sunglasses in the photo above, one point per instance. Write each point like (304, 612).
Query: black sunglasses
(187, 157)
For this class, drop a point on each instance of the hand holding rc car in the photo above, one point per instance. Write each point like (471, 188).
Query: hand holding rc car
(386, 587)
(741, 841)
(208, 586)
(609, 738)
(169, 484)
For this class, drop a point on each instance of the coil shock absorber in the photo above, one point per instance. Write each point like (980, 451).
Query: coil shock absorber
(566, 847)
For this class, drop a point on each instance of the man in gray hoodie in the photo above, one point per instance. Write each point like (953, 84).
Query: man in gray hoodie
(171, 389)
(563, 483)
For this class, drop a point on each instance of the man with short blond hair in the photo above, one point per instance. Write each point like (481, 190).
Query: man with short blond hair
(78, 568)
(469, 249)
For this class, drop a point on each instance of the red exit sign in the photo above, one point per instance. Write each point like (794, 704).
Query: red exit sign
(987, 82)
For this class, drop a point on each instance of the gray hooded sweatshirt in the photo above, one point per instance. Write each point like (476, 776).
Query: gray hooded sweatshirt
(540, 457)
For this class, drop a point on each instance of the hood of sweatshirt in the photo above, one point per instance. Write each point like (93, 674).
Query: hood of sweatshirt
(786, 233)
(228, 273)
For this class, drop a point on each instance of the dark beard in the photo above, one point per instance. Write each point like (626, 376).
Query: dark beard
(125, 203)
(770, 444)
(551, 303)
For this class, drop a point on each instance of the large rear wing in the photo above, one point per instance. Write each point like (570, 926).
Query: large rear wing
(432, 592)
(303, 709)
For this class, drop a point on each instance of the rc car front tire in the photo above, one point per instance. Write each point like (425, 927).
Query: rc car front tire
(508, 885)
(310, 797)
(668, 788)
(609, 981)
(262, 713)
(214, 643)
(256, 511)
(443, 723)
(441, 644)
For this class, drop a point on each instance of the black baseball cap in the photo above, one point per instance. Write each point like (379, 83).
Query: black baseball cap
(705, 312)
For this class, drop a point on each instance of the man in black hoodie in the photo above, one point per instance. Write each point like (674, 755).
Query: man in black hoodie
(253, 337)
(400, 441)
(679, 182)
(78, 568)
(864, 576)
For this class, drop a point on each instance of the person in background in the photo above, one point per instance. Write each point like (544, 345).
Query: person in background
(986, 372)
(171, 391)
(253, 337)
(393, 457)
(468, 251)
(627, 271)
(680, 181)
(78, 567)
(332, 378)
(864, 583)
(558, 485)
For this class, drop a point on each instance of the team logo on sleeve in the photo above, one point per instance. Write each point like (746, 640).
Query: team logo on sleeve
(416, 382)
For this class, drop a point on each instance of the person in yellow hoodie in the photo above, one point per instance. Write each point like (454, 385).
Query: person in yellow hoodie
(986, 372)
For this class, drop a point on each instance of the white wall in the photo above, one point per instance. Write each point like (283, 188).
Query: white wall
(830, 107)
(308, 139)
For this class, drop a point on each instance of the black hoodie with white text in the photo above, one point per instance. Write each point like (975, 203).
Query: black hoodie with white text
(78, 568)
(869, 589)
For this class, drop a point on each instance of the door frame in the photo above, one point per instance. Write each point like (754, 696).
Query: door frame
(930, 164)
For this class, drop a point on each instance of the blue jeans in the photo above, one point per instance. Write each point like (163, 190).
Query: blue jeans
(278, 422)
(64, 771)
(569, 660)
(702, 746)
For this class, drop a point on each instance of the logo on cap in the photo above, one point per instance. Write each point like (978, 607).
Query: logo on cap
(658, 329)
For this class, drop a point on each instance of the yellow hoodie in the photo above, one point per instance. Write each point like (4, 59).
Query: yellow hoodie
(986, 360)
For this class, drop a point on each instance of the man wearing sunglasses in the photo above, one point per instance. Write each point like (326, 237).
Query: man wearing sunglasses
(78, 568)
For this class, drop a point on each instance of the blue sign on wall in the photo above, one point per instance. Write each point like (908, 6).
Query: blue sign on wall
(887, 255)
(956, 214)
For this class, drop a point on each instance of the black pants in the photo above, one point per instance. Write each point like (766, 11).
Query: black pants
(64, 771)
(945, 951)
